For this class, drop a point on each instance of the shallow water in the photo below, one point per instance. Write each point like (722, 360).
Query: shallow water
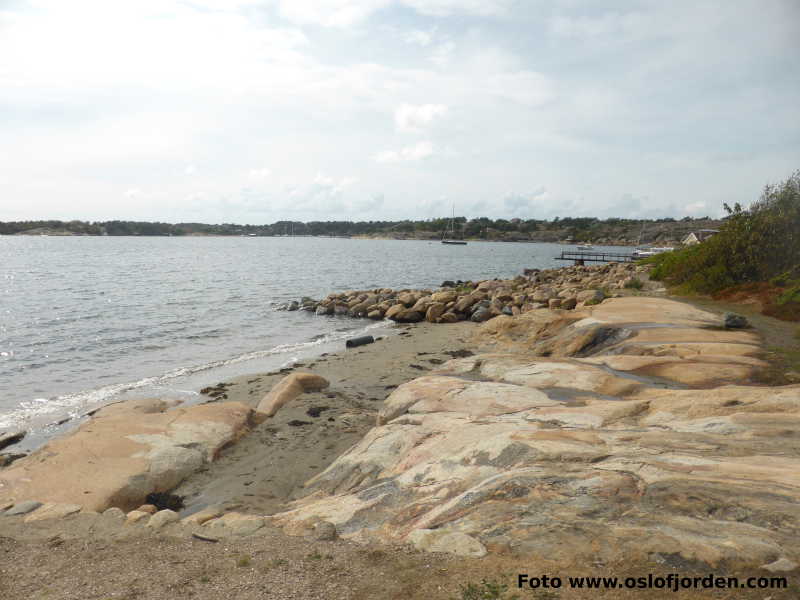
(88, 320)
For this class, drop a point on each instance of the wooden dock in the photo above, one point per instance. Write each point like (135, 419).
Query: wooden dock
(582, 257)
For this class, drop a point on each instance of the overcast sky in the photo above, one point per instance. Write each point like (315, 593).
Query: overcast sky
(252, 111)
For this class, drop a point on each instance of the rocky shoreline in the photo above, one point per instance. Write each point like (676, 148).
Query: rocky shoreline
(588, 421)
(566, 288)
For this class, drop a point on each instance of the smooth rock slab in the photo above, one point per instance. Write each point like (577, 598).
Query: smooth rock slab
(52, 510)
(125, 452)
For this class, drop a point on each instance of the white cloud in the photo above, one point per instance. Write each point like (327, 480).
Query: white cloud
(444, 8)
(329, 13)
(409, 118)
(416, 152)
(346, 13)
(260, 173)
(420, 37)
(111, 95)
(442, 54)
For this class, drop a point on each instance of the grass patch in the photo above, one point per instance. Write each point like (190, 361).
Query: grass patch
(243, 561)
(487, 589)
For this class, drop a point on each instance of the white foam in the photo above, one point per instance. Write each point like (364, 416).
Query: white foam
(40, 412)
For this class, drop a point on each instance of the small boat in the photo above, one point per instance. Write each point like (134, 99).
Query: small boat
(651, 251)
(451, 239)
(585, 247)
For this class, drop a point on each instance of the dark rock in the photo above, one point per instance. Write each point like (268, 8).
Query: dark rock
(8, 439)
(448, 283)
(459, 353)
(165, 500)
(315, 411)
(507, 311)
(734, 321)
(324, 310)
(7, 459)
(293, 305)
(481, 314)
(298, 423)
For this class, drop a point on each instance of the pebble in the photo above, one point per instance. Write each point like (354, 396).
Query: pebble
(23, 508)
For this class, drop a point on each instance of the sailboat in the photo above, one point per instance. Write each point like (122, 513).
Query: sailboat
(451, 239)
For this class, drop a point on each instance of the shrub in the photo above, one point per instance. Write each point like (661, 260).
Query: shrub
(758, 244)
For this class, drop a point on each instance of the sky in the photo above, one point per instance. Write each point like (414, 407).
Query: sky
(254, 111)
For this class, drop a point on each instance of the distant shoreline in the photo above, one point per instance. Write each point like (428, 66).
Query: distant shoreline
(354, 237)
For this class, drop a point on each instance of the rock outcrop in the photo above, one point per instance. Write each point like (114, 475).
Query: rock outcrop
(607, 433)
(125, 452)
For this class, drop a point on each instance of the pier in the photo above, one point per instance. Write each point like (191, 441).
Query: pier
(581, 257)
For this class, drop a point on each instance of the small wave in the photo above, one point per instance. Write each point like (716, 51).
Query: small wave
(75, 404)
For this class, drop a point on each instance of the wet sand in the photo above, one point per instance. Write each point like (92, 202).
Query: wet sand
(269, 466)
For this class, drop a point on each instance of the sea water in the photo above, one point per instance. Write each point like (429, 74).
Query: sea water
(85, 321)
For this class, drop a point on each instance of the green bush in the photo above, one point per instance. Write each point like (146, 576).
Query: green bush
(758, 244)
(634, 284)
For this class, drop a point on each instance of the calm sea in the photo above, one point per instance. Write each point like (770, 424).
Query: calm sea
(88, 320)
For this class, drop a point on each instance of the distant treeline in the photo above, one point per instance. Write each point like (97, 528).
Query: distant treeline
(482, 227)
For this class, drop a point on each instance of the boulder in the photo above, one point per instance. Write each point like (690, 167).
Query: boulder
(590, 297)
(162, 518)
(481, 314)
(136, 516)
(288, 389)
(407, 299)
(423, 303)
(114, 513)
(324, 310)
(568, 303)
(449, 317)
(394, 311)
(407, 315)
(444, 297)
(734, 321)
(434, 311)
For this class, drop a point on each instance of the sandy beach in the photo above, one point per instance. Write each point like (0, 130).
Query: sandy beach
(269, 466)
